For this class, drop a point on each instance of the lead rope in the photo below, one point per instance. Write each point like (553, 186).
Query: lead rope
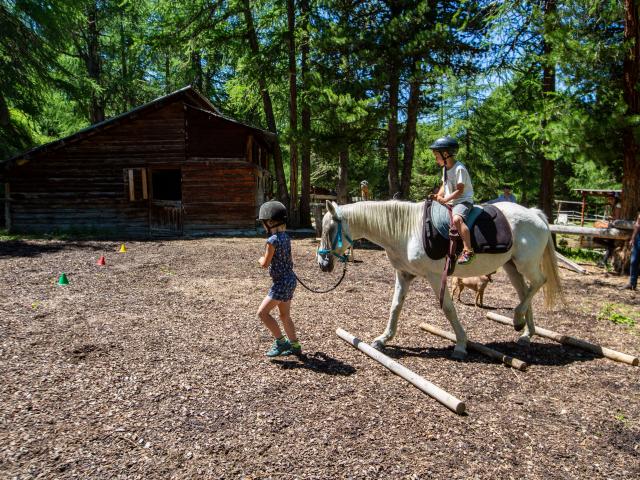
(344, 272)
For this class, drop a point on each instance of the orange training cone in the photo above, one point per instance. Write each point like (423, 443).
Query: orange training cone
(101, 261)
(123, 249)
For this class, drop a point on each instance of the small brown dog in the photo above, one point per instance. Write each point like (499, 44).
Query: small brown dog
(477, 284)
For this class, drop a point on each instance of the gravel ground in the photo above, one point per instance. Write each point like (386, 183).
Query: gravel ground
(153, 367)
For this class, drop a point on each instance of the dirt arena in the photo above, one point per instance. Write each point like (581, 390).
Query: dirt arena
(153, 366)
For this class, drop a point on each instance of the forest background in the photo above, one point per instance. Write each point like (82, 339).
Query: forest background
(542, 95)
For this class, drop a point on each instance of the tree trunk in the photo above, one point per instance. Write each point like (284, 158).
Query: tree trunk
(293, 114)
(127, 97)
(94, 64)
(197, 77)
(410, 134)
(252, 37)
(4, 112)
(167, 72)
(392, 129)
(305, 210)
(548, 88)
(343, 177)
(631, 66)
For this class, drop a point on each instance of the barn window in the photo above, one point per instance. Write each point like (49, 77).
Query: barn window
(135, 180)
(167, 185)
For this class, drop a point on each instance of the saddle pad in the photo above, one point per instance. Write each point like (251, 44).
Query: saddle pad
(490, 231)
(441, 220)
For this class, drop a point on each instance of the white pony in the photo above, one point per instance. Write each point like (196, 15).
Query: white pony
(396, 227)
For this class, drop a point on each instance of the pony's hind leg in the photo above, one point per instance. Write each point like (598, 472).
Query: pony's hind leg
(523, 314)
(403, 281)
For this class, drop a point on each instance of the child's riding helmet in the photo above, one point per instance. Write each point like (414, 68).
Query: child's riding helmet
(273, 210)
(446, 144)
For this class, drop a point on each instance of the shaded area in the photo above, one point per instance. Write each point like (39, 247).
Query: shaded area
(535, 354)
(318, 362)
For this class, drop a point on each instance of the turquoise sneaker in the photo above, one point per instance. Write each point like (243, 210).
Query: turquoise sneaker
(278, 347)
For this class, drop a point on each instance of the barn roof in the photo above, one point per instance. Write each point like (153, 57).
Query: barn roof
(188, 93)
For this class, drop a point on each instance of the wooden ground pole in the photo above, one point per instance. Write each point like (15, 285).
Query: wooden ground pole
(427, 387)
(574, 342)
(489, 352)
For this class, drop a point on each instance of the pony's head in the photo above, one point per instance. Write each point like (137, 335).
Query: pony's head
(335, 239)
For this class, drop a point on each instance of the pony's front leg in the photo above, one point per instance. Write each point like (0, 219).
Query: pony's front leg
(460, 350)
(403, 281)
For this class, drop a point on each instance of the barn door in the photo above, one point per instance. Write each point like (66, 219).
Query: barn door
(165, 203)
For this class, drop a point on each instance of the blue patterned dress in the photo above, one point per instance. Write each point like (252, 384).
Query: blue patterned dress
(281, 268)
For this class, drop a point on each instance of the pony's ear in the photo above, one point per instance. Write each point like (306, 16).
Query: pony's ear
(333, 208)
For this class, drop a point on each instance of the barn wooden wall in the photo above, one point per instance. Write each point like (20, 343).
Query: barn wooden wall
(85, 184)
(82, 185)
(219, 191)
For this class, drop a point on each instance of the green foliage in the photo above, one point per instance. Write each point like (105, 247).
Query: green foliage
(580, 254)
(479, 66)
(619, 314)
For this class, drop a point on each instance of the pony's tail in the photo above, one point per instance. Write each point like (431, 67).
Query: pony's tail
(552, 287)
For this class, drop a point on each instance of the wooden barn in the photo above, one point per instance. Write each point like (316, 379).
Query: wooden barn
(174, 166)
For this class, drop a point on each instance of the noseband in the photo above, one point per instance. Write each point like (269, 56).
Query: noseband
(337, 244)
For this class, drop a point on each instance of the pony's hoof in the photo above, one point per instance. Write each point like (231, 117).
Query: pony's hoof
(458, 354)
(524, 341)
(518, 326)
(378, 345)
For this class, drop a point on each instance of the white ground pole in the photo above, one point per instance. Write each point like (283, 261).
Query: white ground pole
(574, 342)
(489, 352)
(427, 387)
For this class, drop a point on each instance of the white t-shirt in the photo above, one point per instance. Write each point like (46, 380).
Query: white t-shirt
(455, 175)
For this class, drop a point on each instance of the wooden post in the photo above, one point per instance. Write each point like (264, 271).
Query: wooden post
(584, 204)
(132, 188)
(316, 209)
(145, 193)
(574, 342)
(427, 387)
(489, 352)
(7, 207)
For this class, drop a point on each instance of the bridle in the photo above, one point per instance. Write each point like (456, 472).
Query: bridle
(343, 258)
(336, 244)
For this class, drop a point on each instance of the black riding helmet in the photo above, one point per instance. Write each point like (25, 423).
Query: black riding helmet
(273, 210)
(446, 144)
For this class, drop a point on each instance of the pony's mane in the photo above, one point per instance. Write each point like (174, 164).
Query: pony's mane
(389, 218)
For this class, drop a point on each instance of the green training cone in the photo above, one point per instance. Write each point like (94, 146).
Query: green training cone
(63, 280)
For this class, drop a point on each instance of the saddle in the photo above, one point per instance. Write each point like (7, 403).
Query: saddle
(490, 231)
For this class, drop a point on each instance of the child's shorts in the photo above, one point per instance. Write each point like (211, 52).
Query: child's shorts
(462, 209)
(283, 288)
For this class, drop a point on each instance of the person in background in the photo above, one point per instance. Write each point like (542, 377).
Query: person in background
(505, 196)
(635, 256)
(364, 190)
(614, 214)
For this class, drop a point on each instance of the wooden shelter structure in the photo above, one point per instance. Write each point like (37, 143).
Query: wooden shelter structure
(174, 166)
(595, 193)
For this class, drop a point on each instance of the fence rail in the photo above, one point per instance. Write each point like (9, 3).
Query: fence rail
(564, 217)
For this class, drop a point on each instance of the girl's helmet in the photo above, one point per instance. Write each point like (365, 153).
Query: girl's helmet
(273, 210)
(447, 144)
